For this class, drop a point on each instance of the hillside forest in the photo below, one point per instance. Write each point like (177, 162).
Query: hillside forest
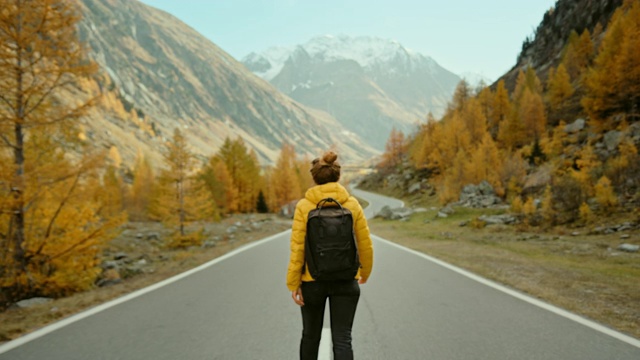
(62, 199)
(560, 148)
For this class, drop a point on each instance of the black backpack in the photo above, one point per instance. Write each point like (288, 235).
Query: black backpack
(330, 246)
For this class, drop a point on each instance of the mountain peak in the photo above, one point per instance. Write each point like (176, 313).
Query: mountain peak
(368, 51)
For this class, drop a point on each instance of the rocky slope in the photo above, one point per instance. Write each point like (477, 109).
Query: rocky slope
(172, 76)
(544, 49)
(369, 84)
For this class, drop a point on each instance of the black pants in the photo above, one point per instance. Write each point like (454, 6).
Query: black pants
(343, 300)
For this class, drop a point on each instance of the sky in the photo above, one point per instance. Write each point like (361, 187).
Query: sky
(481, 37)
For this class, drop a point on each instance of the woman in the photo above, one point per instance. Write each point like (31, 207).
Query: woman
(311, 295)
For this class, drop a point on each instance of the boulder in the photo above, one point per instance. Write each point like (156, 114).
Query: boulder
(504, 219)
(485, 188)
(612, 139)
(629, 248)
(394, 214)
(575, 126)
(32, 302)
(384, 213)
(414, 188)
(478, 196)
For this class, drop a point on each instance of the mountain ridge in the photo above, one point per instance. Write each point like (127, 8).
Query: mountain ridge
(369, 84)
(164, 69)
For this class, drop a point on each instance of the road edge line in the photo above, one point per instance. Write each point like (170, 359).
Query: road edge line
(98, 308)
(539, 303)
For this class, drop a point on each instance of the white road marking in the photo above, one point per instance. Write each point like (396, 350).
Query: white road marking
(70, 320)
(325, 351)
(556, 310)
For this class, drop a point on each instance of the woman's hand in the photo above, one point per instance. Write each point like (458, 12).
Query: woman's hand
(297, 297)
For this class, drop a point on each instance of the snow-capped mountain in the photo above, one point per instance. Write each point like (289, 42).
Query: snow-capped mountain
(369, 52)
(367, 83)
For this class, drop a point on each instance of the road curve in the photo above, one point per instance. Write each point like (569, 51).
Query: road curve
(237, 307)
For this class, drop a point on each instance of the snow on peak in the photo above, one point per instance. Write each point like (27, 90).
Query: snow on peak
(365, 50)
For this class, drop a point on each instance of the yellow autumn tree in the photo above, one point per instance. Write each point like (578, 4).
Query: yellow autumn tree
(220, 184)
(474, 119)
(559, 91)
(425, 144)
(484, 161)
(244, 170)
(455, 177)
(613, 83)
(578, 54)
(605, 196)
(180, 196)
(51, 232)
(284, 180)
(501, 109)
(394, 150)
(532, 115)
(143, 181)
(586, 163)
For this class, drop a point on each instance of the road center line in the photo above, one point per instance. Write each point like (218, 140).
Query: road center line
(324, 352)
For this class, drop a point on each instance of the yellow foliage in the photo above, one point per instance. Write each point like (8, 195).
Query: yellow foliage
(284, 179)
(52, 223)
(182, 241)
(244, 170)
(143, 181)
(180, 196)
(546, 206)
(554, 146)
(516, 205)
(477, 224)
(560, 88)
(612, 85)
(395, 149)
(501, 109)
(586, 163)
(529, 207)
(454, 178)
(586, 215)
(605, 194)
(115, 157)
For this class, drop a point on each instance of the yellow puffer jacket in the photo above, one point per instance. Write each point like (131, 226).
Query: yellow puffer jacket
(365, 248)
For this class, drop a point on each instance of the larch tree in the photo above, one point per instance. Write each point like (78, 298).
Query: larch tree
(143, 181)
(244, 170)
(50, 227)
(501, 109)
(461, 94)
(284, 179)
(180, 197)
(559, 91)
(220, 184)
(394, 150)
(475, 120)
(613, 83)
(533, 115)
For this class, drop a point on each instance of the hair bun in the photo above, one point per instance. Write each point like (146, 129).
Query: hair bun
(330, 157)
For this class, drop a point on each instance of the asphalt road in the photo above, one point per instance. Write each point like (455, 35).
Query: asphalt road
(238, 307)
